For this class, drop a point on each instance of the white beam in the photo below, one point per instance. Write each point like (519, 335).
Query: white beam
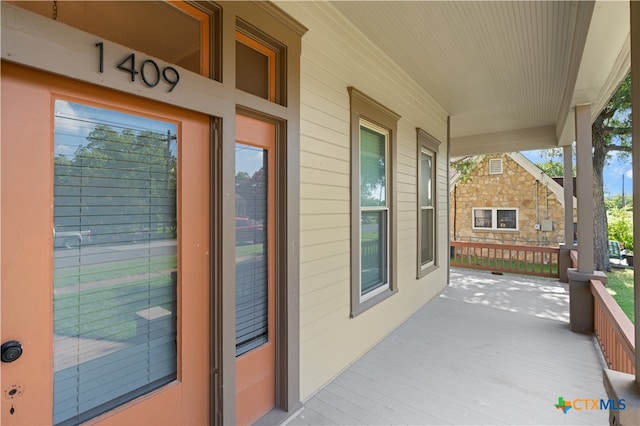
(507, 141)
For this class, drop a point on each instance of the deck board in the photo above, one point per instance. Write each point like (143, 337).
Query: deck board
(490, 350)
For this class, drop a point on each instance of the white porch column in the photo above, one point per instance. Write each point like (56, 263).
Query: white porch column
(568, 194)
(584, 188)
(581, 299)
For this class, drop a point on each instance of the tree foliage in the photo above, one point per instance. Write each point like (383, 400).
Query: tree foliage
(464, 166)
(552, 168)
(119, 185)
(611, 133)
(620, 227)
(611, 138)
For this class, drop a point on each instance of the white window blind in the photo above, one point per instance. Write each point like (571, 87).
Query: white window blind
(252, 278)
(115, 259)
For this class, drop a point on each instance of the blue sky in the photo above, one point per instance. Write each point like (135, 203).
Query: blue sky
(614, 171)
(74, 122)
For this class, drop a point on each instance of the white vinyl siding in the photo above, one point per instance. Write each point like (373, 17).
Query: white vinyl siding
(330, 339)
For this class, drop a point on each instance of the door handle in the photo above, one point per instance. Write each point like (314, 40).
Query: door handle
(11, 351)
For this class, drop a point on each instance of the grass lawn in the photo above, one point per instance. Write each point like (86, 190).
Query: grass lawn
(620, 286)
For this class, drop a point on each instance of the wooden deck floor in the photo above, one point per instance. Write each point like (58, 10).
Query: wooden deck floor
(490, 350)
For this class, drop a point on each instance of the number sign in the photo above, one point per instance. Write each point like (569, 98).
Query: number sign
(150, 73)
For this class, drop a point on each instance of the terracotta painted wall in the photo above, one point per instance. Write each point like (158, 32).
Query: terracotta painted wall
(515, 187)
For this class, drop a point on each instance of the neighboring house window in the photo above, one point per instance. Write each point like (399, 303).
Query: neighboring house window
(373, 130)
(495, 219)
(427, 148)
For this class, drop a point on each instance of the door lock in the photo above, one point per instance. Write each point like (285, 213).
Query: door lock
(11, 351)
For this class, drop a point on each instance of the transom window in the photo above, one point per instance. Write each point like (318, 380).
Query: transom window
(179, 33)
(491, 218)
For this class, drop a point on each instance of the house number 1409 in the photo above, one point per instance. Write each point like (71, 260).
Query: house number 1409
(150, 73)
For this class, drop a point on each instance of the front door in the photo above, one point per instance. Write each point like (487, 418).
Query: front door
(255, 270)
(104, 254)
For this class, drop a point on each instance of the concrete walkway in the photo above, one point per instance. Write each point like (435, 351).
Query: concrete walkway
(490, 350)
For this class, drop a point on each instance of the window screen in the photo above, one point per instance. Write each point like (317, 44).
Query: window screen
(175, 34)
(252, 279)
(115, 258)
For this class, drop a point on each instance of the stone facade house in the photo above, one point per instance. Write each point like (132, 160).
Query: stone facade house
(506, 199)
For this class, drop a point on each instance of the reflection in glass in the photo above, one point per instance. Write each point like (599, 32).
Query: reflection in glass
(373, 191)
(482, 218)
(506, 219)
(426, 172)
(427, 243)
(115, 266)
(373, 250)
(251, 248)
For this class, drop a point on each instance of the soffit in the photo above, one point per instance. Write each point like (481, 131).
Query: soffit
(494, 66)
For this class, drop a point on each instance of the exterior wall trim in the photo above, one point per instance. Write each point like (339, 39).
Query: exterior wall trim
(363, 106)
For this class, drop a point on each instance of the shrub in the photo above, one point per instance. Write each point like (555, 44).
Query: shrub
(621, 227)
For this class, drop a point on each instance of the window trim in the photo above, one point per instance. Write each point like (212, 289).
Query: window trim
(269, 53)
(365, 108)
(430, 145)
(494, 219)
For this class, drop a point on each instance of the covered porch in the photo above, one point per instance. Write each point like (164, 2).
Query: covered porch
(491, 349)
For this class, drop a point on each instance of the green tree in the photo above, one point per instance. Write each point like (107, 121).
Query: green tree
(620, 227)
(464, 166)
(617, 202)
(611, 133)
(118, 183)
(611, 137)
(552, 168)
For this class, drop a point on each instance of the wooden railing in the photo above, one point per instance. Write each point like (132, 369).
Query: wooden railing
(613, 329)
(529, 260)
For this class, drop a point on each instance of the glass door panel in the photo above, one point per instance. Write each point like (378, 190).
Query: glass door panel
(252, 280)
(115, 258)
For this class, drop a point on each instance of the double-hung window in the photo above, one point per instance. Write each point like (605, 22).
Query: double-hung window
(374, 210)
(373, 130)
(491, 218)
(427, 154)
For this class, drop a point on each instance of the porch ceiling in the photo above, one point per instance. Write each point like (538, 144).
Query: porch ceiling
(508, 73)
